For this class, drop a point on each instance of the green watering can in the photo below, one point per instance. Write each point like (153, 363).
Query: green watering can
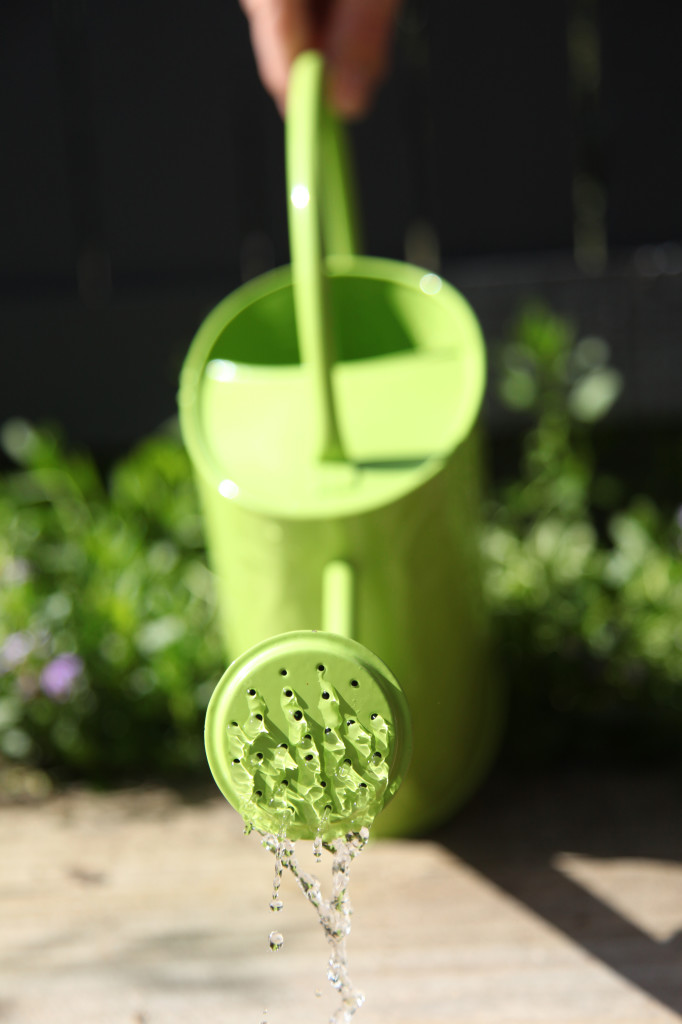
(328, 408)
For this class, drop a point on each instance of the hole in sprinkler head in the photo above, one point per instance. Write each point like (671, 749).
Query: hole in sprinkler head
(259, 717)
(298, 715)
(374, 717)
(251, 693)
(327, 730)
(282, 671)
(325, 695)
(376, 755)
(259, 756)
(285, 745)
(351, 721)
(288, 693)
(233, 723)
(308, 757)
(320, 668)
(327, 807)
(285, 782)
(259, 792)
(363, 785)
(307, 736)
(323, 784)
(235, 760)
(354, 682)
(347, 760)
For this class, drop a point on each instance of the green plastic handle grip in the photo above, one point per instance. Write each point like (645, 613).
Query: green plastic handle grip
(320, 200)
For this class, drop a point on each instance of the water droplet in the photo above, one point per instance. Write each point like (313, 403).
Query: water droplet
(248, 828)
(334, 913)
(276, 904)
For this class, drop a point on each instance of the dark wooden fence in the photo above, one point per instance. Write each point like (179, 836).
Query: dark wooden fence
(526, 148)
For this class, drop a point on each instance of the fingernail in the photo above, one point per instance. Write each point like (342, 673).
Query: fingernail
(348, 93)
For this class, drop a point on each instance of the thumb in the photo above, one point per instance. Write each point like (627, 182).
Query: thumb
(357, 41)
(279, 30)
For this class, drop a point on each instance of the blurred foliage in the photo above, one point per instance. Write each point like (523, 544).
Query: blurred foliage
(585, 585)
(109, 648)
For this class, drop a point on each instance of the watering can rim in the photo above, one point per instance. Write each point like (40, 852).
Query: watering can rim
(378, 269)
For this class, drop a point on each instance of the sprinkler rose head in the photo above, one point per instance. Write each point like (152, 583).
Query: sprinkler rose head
(308, 734)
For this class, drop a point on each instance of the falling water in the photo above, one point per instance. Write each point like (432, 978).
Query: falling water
(334, 914)
(280, 851)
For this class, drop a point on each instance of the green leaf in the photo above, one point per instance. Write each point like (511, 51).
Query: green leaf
(593, 395)
(518, 389)
(160, 633)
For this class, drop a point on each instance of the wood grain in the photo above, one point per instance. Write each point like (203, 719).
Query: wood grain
(555, 901)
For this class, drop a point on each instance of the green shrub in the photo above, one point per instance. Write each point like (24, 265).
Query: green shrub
(585, 586)
(109, 648)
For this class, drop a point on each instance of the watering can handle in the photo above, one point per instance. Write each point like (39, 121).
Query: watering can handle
(320, 203)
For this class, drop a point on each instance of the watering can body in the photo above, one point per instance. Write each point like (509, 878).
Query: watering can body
(400, 508)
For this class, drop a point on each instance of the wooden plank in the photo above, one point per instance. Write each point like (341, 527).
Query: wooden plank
(138, 908)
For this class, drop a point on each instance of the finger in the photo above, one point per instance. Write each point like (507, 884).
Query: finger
(357, 43)
(280, 29)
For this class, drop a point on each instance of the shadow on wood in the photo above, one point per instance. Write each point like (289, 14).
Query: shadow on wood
(548, 853)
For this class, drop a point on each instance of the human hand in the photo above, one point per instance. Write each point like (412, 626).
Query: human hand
(354, 35)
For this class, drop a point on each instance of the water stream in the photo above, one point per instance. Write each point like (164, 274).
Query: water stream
(334, 914)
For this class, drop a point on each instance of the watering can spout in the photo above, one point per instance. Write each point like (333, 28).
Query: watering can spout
(337, 598)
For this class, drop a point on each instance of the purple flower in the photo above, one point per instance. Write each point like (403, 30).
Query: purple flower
(59, 675)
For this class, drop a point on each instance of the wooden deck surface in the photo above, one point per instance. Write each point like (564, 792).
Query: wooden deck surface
(556, 901)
